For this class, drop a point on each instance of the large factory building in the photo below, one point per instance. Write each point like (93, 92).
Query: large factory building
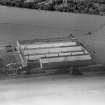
(53, 52)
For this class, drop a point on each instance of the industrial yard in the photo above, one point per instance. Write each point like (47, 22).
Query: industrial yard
(58, 89)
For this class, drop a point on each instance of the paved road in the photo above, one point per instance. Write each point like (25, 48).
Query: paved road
(54, 90)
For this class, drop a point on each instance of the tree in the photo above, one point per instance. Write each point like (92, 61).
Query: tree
(1, 63)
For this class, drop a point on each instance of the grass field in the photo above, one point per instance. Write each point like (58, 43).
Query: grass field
(17, 23)
(54, 90)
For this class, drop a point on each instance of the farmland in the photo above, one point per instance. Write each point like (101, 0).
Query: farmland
(17, 23)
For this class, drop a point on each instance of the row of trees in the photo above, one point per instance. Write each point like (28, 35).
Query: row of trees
(75, 6)
(82, 6)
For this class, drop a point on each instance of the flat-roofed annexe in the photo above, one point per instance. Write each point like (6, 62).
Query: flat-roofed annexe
(53, 50)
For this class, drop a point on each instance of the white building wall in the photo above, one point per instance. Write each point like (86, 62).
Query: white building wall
(36, 57)
(35, 46)
(52, 50)
(63, 59)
